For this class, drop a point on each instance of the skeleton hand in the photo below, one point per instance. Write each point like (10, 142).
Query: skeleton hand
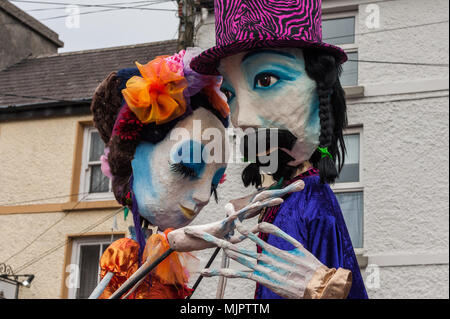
(291, 274)
(181, 242)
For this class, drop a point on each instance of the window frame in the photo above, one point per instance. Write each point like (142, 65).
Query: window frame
(85, 171)
(355, 187)
(76, 251)
(350, 47)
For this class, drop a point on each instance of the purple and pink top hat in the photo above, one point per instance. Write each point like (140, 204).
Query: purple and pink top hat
(244, 25)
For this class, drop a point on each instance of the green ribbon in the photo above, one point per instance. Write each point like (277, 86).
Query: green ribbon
(279, 185)
(125, 213)
(325, 152)
(245, 160)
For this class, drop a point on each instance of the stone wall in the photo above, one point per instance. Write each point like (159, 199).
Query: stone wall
(20, 41)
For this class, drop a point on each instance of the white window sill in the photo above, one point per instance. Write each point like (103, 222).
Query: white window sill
(353, 92)
(361, 257)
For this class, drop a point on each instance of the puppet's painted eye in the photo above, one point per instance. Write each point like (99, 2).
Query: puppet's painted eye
(183, 170)
(187, 159)
(265, 80)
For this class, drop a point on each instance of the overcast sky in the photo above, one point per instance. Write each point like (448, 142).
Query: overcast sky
(103, 29)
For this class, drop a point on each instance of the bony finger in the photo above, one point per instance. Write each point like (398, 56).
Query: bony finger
(206, 237)
(249, 253)
(292, 255)
(272, 202)
(241, 228)
(228, 273)
(263, 196)
(260, 205)
(294, 187)
(265, 246)
(239, 238)
(238, 255)
(236, 239)
(274, 230)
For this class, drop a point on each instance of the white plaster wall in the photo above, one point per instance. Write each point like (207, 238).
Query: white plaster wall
(405, 174)
(36, 160)
(418, 282)
(426, 44)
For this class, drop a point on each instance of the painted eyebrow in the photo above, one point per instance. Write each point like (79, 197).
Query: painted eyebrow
(253, 53)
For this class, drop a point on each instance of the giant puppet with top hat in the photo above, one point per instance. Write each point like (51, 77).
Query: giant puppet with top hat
(271, 71)
(278, 74)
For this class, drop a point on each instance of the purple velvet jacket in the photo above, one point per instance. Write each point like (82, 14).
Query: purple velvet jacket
(314, 218)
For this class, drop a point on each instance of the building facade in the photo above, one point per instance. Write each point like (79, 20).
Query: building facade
(57, 214)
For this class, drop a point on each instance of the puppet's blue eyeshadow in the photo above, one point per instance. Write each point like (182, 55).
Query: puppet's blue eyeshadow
(189, 153)
(314, 119)
(280, 65)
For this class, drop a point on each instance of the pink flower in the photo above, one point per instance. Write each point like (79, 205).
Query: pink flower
(106, 170)
(175, 62)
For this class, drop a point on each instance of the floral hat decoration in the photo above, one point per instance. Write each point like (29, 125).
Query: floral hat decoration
(159, 93)
(162, 93)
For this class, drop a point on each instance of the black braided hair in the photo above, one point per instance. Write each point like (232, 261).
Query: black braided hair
(324, 69)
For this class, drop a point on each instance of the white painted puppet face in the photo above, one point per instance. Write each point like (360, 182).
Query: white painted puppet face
(269, 88)
(172, 181)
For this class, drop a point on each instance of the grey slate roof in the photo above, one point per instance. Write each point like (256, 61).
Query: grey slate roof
(71, 76)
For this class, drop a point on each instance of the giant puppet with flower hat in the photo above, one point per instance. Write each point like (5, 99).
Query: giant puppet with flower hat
(279, 74)
(157, 176)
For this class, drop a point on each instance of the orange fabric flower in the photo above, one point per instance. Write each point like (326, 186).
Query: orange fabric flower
(120, 258)
(157, 96)
(174, 270)
(153, 288)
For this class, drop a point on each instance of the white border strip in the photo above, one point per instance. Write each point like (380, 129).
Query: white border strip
(409, 260)
(422, 86)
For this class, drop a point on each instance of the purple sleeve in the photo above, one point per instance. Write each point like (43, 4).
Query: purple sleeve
(328, 239)
(325, 241)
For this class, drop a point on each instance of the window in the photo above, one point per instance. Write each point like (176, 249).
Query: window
(93, 185)
(86, 254)
(349, 190)
(339, 29)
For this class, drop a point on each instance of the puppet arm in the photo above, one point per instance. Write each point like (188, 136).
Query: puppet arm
(181, 242)
(294, 274)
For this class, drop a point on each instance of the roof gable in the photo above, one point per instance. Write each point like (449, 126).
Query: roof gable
(71, 76)
(31, 22)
